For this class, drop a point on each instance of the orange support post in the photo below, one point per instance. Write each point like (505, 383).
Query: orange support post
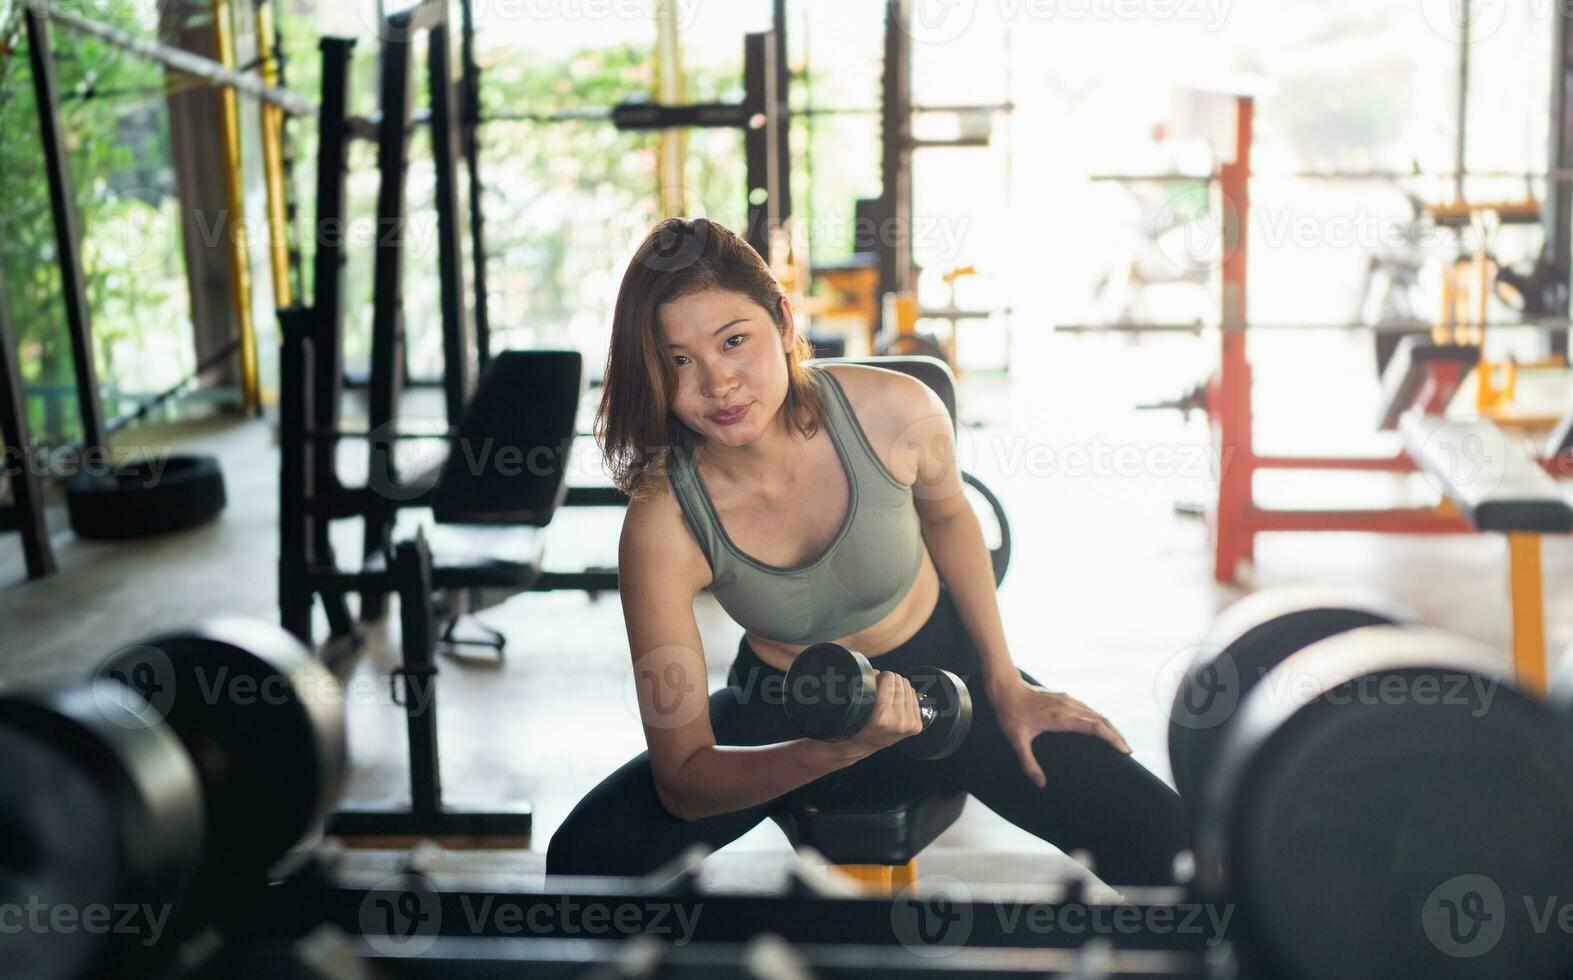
(1527, 599)
(1233, 534)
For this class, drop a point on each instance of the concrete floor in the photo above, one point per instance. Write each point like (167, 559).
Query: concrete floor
(1107, 590)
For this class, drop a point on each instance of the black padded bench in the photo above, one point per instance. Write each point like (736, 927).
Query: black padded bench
(504, 477)
(872, 825)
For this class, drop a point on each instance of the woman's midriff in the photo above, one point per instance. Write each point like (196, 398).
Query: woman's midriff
(897, 627)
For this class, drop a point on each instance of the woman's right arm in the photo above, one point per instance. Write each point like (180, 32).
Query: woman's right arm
(660, 571)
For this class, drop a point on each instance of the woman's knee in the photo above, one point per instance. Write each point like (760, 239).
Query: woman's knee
(573, 851)
(603, 832)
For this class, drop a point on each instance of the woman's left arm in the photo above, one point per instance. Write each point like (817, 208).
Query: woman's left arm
(955, 540)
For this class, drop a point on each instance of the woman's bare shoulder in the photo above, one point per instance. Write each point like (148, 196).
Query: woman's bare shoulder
(885, 397)
(656, 535)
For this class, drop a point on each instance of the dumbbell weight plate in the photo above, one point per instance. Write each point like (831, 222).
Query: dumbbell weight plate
(830, 692)
(1400, 816)
(264, 723)
(100, 813)
(1247, 640)
(952, 704)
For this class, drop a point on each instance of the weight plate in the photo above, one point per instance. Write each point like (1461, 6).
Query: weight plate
(952, 714)
(829, 692)
(1246, 641)
(100, 830)
(1402, 811)
(264, 722)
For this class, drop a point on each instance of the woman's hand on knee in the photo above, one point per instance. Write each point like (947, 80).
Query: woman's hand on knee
(1025, 711)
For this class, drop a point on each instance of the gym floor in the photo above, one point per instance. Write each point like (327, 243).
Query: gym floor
(1108, 586)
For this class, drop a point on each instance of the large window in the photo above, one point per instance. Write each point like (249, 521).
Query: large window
(114, 115)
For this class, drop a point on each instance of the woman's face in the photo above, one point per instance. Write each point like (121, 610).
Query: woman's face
(730, 363)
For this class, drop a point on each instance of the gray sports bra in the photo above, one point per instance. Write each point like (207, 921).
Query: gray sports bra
(867, 569)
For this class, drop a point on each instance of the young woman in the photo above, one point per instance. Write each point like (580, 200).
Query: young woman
(816, 503)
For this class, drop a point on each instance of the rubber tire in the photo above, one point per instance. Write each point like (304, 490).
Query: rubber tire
(189, 491)
(999, 556)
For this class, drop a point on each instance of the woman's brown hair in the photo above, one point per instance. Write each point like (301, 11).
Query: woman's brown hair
(681, 256)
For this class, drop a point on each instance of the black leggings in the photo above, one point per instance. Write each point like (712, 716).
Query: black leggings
(1097, 798)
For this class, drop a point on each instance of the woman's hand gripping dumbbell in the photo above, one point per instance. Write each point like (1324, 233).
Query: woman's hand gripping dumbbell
(836, 695)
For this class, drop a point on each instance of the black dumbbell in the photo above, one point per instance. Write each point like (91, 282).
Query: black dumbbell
(830, 696)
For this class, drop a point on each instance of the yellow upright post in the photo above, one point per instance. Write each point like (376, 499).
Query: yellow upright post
(239, 266)
(273, 160)
(670, 90)
(1526, 594)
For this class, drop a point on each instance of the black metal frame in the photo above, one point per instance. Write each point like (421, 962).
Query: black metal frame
(766, 147)
(68, 250)
(407, 571)
(26, 515)
(893, 235)
(388, 356)
(312, 382)
(803, 913)
(1556, 258)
